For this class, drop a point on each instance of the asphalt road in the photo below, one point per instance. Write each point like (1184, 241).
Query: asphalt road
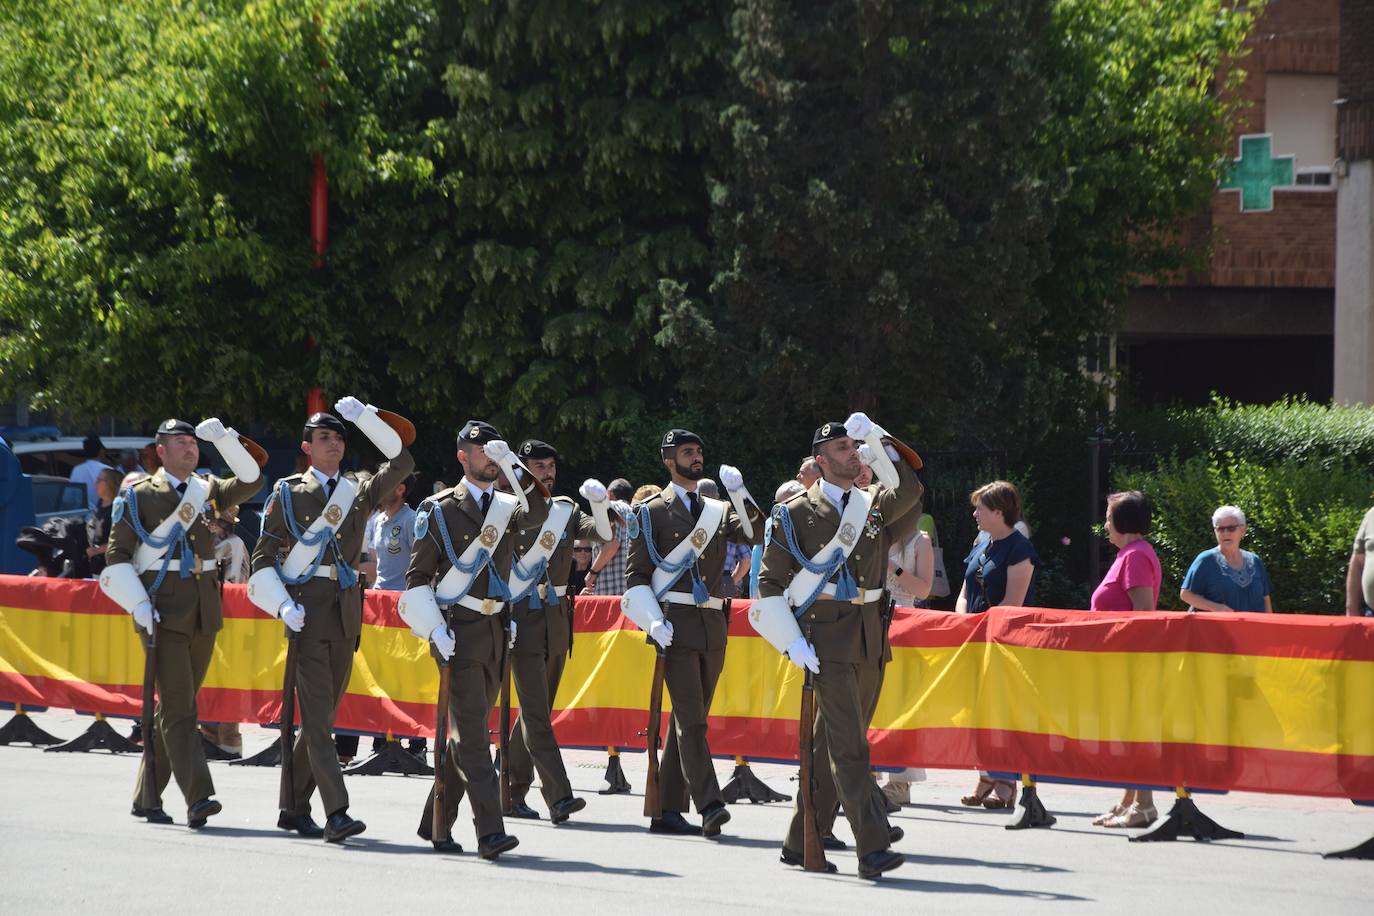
(68, 844)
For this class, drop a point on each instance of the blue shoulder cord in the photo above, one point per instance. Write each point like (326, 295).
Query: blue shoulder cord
(494, 583)
(176, 536)
(845, 586)
(324, 538)
(700, 593)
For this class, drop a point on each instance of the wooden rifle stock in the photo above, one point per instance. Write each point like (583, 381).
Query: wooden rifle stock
(813, 854)
(653, 803)
(286, 795)
(503, 739)
(438, 830)
(149, 735)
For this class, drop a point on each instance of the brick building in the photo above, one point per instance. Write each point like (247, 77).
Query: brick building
(1258, 323)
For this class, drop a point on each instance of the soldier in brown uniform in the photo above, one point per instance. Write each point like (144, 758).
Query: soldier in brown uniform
(305, 572)
(826, 562)
(161, 569)
(542, 611)
(461, 560)
(673, 584)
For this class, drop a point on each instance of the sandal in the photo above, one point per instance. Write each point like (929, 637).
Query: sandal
(1004, 798)
(1117, 811)
(1134, 818)
(985, 786)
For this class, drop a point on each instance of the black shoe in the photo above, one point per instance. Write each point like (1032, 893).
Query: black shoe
(493, 844)
(788, 857)
(340, 827)
(895, 834)
(875, 863)
(446, 846)
(713, 818)
(562, 810)
(202, 811)
(519, 809)
(152, 815)
(830, 841)
(673, 822)
(303, 824)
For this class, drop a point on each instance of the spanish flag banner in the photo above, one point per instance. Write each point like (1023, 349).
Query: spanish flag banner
(1268, 703)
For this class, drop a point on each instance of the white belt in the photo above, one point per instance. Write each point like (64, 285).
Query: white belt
(687, 599)
(865, 596)
(327, 571)
(485, 606)
(175, 566)
(543, 589)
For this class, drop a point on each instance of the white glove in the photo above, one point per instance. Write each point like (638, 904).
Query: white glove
(593, 491)
(145, 615)
(350, 408)
(661, 632)
(858, 426)
(511, 643)
(496, 449)
(801, 654)
(730, 477)
(293, 615)
(211, 430)
(866, 454)
(443, 641)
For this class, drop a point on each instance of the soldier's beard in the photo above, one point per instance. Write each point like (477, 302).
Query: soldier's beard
(689, 472)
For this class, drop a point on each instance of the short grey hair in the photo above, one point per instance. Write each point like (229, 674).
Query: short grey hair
(1224, 512)
(708, 489)
(788, 490)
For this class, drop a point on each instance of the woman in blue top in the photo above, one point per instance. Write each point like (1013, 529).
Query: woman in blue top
(1227, 578)
(999, 571)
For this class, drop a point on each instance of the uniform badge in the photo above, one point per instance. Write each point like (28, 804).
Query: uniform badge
(421, 524)
(489, 537)
(117, 510)
(825, 430)
(187, 513)
(475, 433)
(699, 538)
(333, 515)
(848, 535)
(668, 439)
(547, 540)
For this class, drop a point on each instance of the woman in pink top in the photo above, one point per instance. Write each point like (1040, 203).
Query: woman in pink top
(1132, 584)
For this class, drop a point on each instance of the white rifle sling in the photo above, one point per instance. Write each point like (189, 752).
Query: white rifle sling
(805, 582)
(455, 583)
(121, 584)
(197, 490)
(302, 555)
(692, 546)
(550, 533)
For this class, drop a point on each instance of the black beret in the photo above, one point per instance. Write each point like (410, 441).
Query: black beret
(477, 432)
(323, 420)
(675, 437)
(175, 427)
(533, 448)
(828, 432)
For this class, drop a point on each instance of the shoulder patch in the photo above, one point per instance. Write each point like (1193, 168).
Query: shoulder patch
(422, 521)
(117, 510)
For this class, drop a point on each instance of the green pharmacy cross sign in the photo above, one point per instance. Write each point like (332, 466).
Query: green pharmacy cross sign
(1257, 173)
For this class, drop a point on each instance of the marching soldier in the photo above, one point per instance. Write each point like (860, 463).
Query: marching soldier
(461, 560)
(542, 611)
(161, 569)
(305, 572)
(673, 580)
(824, 568)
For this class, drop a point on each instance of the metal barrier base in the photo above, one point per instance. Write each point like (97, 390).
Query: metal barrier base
(614, 782)
(23, 730)
(1186, 820)
(392, 758)
(745, 786)
(1032, 813)
(100, 736)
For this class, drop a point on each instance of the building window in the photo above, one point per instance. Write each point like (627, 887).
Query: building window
(1300, 114)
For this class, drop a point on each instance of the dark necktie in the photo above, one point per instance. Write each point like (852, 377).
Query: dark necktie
(330, 485)
(694, 504)
(486, 503)
(181, 488)
(844, 502)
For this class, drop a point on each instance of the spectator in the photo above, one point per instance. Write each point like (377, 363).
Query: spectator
(1359, 575)
(230, 551)
(1132, 584)
(808, 473)
(789, 489)
(582, 561)
(1227, 578)
(648, 491)
(98, 525)
(910, 572)
(148, 460)
(1000, 570)
(87, 471)
(128, 461)
(393, 537)
(606, 575)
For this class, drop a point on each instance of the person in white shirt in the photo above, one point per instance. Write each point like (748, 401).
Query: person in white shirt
(87, 471)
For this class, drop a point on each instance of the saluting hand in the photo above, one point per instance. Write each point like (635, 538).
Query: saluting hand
(350, 408)
(211, 430)
(592, 490)
(858, 426)
(496, 449)
(731, 478)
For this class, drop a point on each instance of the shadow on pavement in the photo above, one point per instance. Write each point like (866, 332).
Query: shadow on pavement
(541, 863)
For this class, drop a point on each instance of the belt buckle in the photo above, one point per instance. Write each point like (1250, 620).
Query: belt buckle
(858, 600)
(490, 606)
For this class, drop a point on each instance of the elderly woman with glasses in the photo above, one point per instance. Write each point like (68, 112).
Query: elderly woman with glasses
(1227, 578)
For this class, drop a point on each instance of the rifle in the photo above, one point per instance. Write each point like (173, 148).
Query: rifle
(813, 854)
(286, 795)
(149, 735)
(438, 830)
(653, 804)
(503, 739)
